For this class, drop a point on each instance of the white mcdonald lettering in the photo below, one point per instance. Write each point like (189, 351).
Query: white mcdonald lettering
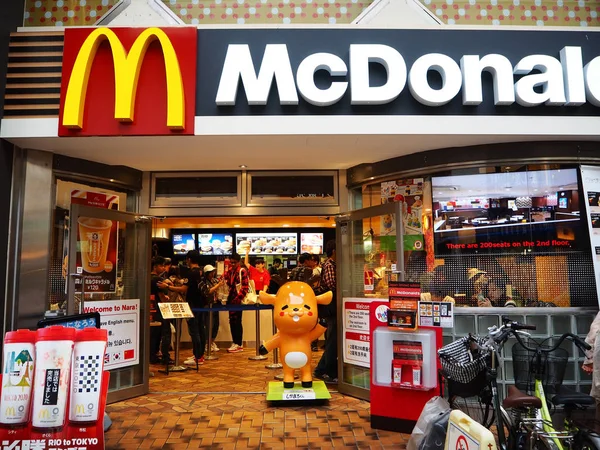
(554, 82)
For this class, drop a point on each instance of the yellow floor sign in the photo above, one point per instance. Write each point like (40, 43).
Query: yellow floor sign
(466, 434)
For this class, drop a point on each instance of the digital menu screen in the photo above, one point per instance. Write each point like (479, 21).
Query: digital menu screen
(311, 243)
(183, 243)
(215, 244)
(267, 243)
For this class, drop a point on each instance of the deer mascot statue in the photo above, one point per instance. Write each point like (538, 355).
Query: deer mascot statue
(296, 317)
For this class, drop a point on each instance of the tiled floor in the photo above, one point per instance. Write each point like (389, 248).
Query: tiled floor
(223, 405)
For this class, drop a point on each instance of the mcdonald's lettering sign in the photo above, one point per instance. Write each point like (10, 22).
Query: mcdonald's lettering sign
(128, 81)
(44, 414)
(80, 409)
(11, 412)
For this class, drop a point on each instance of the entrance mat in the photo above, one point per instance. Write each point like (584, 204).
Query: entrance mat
(276, 392)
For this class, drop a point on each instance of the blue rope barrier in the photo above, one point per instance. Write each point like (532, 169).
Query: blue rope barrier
(233, 308)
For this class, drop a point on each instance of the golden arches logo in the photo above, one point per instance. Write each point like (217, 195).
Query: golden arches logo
(80, 409)
(127, 71)
(44, 414)
(10, 411)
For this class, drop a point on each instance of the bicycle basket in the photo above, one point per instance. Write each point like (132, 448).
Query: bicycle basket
(551, 368)
(459, 364)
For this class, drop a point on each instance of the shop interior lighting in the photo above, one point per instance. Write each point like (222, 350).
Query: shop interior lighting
(243, 166)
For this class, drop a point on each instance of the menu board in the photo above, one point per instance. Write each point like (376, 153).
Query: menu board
(183, 243)
(311, 243)
(267, 243)
(215, 244)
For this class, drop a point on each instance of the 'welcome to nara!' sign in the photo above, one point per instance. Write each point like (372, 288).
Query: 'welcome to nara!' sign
(405, 72)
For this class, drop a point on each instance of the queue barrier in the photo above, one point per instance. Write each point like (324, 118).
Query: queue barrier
(229, 308)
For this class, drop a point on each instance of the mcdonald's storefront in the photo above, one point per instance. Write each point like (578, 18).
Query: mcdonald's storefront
(127, 111)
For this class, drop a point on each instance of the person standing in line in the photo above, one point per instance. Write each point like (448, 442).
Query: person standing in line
(194, 298)
(209, 285)
(258, 273)
(159, 288)
(327, 368)
(236, 275)
(276, 279)
(303, 271)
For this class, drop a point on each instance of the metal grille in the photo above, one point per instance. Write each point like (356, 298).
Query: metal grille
(34, 74)
(560, 278)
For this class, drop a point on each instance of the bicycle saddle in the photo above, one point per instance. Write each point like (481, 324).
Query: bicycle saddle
(519, 399)
(570, 397)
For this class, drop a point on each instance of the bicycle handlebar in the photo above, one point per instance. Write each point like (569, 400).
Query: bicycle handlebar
(580, 343)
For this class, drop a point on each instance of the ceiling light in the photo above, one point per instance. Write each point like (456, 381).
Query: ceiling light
(243, 166)
(286, 225)
(237, 225)
(333, 224)
(440, 193)
(372, 178)
(112, 180)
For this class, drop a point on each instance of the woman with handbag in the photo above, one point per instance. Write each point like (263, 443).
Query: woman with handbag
(237, 280)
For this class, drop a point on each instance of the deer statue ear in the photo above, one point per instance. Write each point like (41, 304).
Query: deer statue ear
(324, 299)
(267, 299)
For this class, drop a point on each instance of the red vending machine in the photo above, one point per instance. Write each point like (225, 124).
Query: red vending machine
(404, 367)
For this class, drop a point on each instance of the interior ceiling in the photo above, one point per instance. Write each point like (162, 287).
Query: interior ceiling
(174, 153)
(507, 184)
(245, 222)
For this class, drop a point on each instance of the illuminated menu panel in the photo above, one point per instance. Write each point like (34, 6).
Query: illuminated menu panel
(267, 243)
(183, 243)
(215, 244)
(311, 243)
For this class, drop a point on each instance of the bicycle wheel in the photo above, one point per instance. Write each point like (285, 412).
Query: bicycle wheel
(477, 408)
(587, 443)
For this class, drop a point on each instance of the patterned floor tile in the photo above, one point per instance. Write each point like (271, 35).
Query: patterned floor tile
(223, 406)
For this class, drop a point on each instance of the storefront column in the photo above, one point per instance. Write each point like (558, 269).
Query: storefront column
(30, 222)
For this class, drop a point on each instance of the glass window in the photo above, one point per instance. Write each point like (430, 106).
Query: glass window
(176, 189)
(498, 236)
(68, 192)
(292, 188)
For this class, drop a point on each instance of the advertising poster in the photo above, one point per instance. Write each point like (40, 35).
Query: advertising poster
(357, 342)
(436, 314)
(591, 190)
(404, 298)
(183, 243)
(410, 192)
(122, 320)
(267, 243)
(215, 244)
(311, 243)
(97, 244)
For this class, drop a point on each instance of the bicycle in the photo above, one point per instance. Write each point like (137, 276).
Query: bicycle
(530, 426)
(539, 369)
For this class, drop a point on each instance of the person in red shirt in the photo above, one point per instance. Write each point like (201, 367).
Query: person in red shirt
(258, 273)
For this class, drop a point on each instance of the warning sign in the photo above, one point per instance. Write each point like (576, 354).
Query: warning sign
(466, 434)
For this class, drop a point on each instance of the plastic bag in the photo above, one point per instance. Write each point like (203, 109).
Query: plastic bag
(433, 409)
(435, 433)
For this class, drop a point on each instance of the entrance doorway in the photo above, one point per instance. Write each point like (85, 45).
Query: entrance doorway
(282, 238)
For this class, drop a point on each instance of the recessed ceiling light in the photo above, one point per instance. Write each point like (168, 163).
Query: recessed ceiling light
(372, 178)
(112, 180)
(333, 224)
(243, 166)
(237, 225)
(286, 225)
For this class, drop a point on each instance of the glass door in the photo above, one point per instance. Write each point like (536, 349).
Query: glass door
(369, 255)
(109, 271)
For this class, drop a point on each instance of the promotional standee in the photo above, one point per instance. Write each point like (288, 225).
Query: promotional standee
(404, 367)
(295, 312)
(53, 390)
